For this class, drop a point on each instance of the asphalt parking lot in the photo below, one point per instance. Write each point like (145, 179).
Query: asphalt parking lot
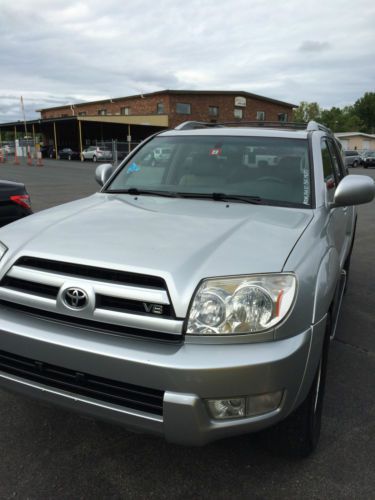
(46, 452)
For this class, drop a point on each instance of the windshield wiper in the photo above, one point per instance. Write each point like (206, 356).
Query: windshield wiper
(150, 192)
(254, 200)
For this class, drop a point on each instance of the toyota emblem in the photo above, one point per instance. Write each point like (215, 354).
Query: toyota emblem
(75, 298)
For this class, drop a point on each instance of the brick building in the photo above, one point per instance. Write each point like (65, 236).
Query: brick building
(177, 106)
(128, 120)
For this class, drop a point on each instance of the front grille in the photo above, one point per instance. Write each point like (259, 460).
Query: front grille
(114, 301)
(99, 388)
(30, 286)
(83, 271)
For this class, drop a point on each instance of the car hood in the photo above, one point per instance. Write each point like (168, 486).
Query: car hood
(182, 241)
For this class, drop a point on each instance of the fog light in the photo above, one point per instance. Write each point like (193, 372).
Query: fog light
(263, 403)
(249, 406)
(227, 408)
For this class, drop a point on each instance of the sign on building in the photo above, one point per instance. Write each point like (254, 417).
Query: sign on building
(240, 101)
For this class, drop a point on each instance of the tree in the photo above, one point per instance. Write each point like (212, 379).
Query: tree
(306, 111)
(364, 108)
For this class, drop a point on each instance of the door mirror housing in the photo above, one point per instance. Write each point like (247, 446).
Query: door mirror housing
(103, 173)
(354, 190)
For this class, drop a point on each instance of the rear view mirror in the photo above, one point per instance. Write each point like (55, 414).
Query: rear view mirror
(354, 190)
(103, 173)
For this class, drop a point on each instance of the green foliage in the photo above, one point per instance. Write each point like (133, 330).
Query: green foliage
(306, 111)
(364, 108)
(357, 118)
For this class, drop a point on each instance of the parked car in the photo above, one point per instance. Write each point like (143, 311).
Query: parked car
(96, 153)
(368, 159)
(352, 158)
(194, 298)
(14, 202)
(69, 154)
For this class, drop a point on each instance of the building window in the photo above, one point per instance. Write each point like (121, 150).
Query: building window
(82, 113)
(102, 112)
(238, 113)
(261, 115)
(160, 108)
(282, 117)
(125, 110)
(213, 110)
(183, 109)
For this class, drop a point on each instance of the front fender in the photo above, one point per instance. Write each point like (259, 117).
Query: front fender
(326, 283)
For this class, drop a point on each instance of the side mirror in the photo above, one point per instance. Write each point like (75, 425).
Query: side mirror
(103, 173)
(354, 190)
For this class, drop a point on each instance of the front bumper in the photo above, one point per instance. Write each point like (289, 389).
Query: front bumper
(187, 373)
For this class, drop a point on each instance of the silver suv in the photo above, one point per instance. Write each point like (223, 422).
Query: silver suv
(196, 294)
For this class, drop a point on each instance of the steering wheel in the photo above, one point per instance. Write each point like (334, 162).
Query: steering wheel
(272, 179)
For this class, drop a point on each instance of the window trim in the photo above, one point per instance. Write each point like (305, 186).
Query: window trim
(239, 110)
(214, 115)
(157, 108)
(184, 104)
(282, 113)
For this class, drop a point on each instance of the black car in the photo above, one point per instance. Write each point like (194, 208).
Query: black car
(14, 202)
(368, 159)
(69, 154)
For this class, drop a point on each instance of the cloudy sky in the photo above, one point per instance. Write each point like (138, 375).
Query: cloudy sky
(55, 52)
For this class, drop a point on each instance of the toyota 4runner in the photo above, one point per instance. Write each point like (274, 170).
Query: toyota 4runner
(195, 295)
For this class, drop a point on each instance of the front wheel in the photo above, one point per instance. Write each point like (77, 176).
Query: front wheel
(69, 157)
(298, 435)
(355, 164)
(94, 158)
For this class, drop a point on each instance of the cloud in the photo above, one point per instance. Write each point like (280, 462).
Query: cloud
(69, 51)
(314, 46)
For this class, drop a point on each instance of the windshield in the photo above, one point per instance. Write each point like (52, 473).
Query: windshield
(275, 170)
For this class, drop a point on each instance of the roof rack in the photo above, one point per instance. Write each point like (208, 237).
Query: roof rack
(191, 125)
(313, 125)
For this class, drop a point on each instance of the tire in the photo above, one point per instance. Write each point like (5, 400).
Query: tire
(69, 157)
(365, 166)
(298, 435)
(94, 158)
(355, 164)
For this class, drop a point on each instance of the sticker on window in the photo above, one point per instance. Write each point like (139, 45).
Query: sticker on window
(133, 168)
(215, 152)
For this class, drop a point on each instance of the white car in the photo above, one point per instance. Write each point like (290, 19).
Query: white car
(96, 153)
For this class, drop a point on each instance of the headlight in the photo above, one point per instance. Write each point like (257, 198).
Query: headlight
(3, 250)
(247, 304)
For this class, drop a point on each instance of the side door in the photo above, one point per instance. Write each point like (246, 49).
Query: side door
(339, 217)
